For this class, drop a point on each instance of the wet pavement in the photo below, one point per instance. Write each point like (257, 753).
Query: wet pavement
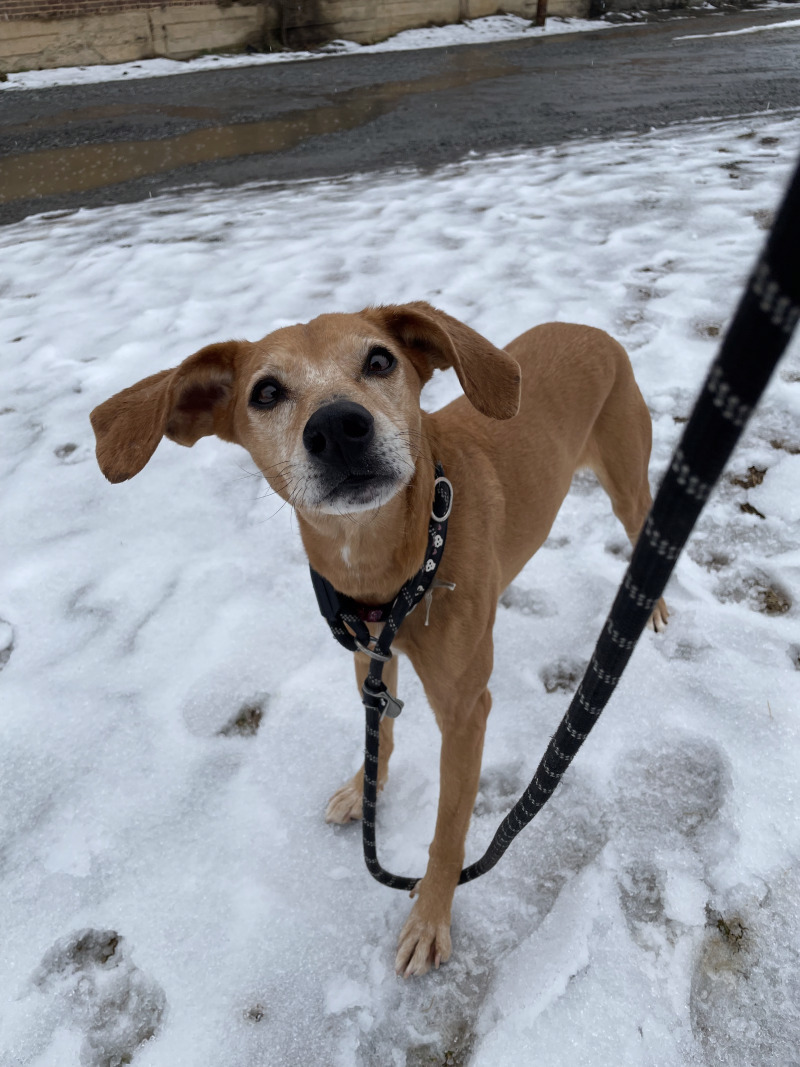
(88, 145)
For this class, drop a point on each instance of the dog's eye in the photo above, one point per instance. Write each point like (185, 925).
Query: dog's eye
(379, 361)
(266, 393)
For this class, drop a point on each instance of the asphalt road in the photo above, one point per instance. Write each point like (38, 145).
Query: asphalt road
(68, 147)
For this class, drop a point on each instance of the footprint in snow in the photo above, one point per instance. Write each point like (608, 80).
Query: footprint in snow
(499, 789)
(6, 642)
(526, 601)
(745, 992)
(668, 799)
(68, 453)
(97, 988)
(563, 676)
(674, 787)
(757, 591)
(567, 835)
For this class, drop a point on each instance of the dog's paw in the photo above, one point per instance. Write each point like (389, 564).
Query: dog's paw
(422, 943)
(346, 804)
(659, 618)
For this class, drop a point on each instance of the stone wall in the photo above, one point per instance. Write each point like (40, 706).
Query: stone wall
(35, 34)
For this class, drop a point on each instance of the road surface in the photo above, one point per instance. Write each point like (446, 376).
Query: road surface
(114, 142)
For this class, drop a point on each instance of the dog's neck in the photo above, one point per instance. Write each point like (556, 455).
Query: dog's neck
(369, 555)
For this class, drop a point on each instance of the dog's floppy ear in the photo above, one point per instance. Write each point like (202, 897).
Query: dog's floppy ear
(434, 340)
(186, 403)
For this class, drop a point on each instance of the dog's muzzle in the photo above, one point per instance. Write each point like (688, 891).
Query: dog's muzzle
(339, 435)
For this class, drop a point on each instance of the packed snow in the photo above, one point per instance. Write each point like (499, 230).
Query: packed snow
(793, 23)
(175, 714)
(471, 31)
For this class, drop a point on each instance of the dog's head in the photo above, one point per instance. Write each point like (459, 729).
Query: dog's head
(329, 411)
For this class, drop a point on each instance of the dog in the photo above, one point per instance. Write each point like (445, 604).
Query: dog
(330, 414)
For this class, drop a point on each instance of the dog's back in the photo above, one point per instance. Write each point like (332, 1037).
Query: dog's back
(580, 407)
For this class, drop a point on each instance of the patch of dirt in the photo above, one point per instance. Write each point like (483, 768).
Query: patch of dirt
(247, 721)
(758, 591)
(713, 559)
(748, 509)
(460, 1043)
(754, 477)
(773, 601)
(708, 329)
(785, 446)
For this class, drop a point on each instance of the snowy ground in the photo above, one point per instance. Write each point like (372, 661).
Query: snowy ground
(472, 31)
(794, 23)
(164, 866)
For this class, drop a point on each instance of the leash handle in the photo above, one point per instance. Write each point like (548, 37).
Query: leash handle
(762, 327)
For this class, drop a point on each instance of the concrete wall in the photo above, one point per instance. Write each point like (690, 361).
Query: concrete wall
(84, 32)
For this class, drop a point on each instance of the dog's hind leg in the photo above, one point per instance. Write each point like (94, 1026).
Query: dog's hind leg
(618, 451)
(346, 803)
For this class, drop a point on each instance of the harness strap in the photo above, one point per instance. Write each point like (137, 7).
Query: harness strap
(347, 618)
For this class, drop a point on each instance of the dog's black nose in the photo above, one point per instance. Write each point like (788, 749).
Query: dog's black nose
(339, 434)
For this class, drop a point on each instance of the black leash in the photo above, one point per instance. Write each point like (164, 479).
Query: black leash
(343, 614)
(348, 618)
(761, 329)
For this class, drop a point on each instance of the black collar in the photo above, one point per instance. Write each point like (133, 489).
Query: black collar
(347, 617)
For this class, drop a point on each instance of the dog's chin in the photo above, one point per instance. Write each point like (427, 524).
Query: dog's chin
(355, 493)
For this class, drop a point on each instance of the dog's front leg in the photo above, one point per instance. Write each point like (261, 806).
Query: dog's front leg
(346, 803)
(425, 938)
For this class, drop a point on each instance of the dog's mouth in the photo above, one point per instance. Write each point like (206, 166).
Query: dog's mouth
(359, 478)
(363, 480)
(360, 490)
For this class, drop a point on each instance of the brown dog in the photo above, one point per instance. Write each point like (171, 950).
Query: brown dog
(330, 413)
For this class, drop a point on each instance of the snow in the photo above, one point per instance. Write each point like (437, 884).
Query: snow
(470, 31)
(749, 29)
(167, 872)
